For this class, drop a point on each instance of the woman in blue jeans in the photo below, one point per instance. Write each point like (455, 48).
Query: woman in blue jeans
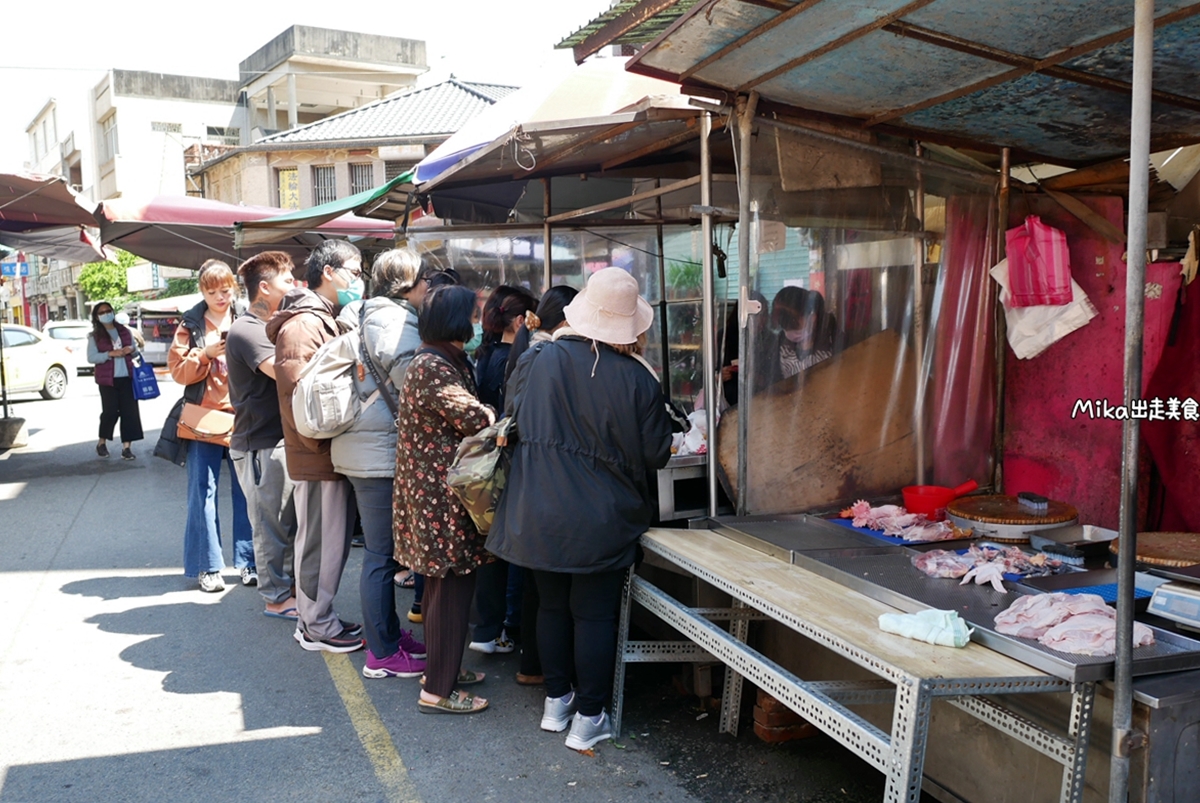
(366, 452)
(197, 359)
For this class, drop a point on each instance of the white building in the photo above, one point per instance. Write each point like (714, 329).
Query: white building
(142, 122)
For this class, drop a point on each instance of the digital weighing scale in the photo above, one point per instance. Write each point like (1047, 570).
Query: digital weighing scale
(1178, 602)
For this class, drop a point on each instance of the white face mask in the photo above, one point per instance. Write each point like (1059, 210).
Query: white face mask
(106, 317)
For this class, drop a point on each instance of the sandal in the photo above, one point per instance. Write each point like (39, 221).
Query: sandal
(459, 702)
(408, 581)
(465, 678)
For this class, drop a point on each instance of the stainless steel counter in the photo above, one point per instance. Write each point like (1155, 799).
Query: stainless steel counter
(885, 572)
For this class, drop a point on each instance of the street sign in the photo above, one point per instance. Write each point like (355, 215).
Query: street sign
(14, 268)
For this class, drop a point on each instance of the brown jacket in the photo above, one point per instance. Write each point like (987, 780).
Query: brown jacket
(305, 322)
(188, 364)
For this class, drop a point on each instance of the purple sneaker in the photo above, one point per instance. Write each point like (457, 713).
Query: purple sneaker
(398, 665)
(410, 645)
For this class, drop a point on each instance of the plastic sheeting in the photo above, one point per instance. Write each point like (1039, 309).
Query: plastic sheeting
(872, 365)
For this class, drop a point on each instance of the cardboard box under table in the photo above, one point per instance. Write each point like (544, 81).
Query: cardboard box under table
(910, 674)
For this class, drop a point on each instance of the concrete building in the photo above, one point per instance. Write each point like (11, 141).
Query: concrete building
(143, 122)
(142, 134)
(346, 153)
(305, 74)
(58, 146)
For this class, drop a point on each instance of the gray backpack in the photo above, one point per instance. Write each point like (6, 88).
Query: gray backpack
(325, 401)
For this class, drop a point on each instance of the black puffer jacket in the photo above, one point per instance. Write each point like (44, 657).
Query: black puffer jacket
(589, 430)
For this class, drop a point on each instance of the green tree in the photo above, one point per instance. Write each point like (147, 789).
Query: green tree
(181, 287)
(107, 280)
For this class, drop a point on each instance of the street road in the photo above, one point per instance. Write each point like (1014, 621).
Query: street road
(120, 681)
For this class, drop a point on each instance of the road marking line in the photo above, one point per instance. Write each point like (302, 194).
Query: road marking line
(376, 741)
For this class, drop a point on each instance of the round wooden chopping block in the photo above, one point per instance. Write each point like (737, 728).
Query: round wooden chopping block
(1001, 518)
(1164, 549)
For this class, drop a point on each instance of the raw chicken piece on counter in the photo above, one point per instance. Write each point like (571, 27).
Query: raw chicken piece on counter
(1092, 634)
(1032, 615)
(1076, 623)
(942, 563)
(896, 521)
(985, 573)
(985, 564)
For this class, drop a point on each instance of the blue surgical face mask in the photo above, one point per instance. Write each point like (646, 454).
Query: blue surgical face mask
(475, 340)
(352, 293)
(106, 318)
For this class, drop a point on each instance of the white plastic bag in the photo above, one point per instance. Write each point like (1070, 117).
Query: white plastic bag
(1032, 330)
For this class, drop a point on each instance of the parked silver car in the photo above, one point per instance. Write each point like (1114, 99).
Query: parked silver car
(34, 362)
(73, 335)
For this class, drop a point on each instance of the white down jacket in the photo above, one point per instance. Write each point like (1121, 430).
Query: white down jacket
(389, 329)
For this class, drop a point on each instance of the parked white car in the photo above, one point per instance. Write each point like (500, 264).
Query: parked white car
(34, 362)
(74, 336)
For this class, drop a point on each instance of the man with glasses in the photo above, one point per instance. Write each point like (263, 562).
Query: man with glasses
(305, 321)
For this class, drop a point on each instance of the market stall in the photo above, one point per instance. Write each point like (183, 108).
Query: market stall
(915, 379)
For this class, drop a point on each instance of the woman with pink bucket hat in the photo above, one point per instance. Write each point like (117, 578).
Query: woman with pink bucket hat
(592, 424)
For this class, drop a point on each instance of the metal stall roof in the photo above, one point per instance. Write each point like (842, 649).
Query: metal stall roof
(1050, 80)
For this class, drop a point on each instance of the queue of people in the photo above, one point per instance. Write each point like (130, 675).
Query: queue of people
(591, 423)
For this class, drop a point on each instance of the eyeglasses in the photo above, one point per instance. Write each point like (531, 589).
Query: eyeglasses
(354, 274)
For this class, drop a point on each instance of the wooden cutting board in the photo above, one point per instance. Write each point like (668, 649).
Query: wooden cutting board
(1001, 518)
(1164, 549)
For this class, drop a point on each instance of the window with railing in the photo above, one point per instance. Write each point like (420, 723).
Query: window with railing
(324, 184)
(108, 138)
(224, 135)
(393, 169)
(362, 178)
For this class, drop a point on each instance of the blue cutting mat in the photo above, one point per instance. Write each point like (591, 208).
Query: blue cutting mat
(891, 539)
(848, 524)
(1107, 592)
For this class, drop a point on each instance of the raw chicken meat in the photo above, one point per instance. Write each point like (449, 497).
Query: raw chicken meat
(926, 531)
(986, 573)
(942, 563)
(1032, 615)
(874, 518)
(1092, 634)
(895, 521)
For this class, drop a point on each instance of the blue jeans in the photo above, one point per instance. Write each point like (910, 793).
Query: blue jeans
(381, 626)
(202, 535)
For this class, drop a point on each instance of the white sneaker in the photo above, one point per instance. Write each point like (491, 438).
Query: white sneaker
(501, 643)
(249, 576)
(557, 713)
(211, 582)
(585, 733)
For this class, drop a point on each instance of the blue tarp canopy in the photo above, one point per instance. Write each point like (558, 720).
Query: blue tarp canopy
(1050, 80)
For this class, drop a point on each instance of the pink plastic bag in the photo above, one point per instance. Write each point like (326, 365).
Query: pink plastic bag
(1039, 265)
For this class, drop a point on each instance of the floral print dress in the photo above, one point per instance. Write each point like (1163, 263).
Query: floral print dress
(438, 408)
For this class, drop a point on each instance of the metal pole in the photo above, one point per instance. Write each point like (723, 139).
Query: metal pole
(547, 243)
(919, 321)
(1001, 326)
(1135, 280)
(664, 346)
(745, 123)
(711, 388)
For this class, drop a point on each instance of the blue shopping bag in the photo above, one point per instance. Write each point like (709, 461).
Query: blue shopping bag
(145, 383)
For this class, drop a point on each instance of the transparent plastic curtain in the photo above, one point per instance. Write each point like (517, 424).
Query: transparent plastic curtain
(487, 257)
(850, 389)
(964, 403)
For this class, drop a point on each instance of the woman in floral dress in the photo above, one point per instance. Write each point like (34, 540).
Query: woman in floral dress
(439, 406)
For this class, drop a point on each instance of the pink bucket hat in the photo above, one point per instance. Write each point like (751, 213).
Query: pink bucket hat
(609, 308)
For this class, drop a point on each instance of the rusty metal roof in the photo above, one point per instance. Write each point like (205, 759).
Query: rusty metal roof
(1050, 80)
(628, 22)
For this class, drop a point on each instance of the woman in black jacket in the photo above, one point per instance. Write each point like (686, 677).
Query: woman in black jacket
(592, 422)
